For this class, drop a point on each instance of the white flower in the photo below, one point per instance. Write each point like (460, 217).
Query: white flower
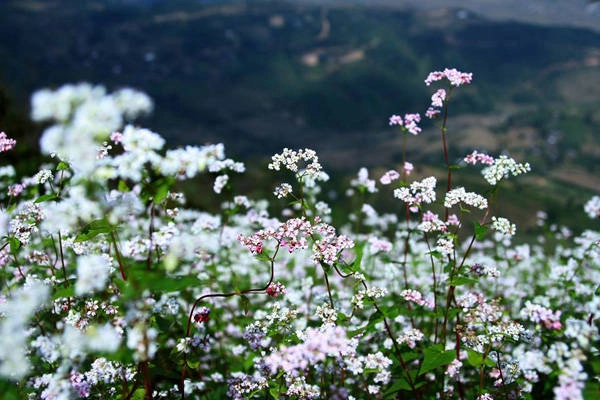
(503, 167)
(503, 226)
(592, 207)
(92, 274)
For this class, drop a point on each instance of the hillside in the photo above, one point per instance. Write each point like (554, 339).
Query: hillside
(259, 76)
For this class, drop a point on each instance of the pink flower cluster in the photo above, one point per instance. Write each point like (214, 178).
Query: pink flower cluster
(414, 296)
(408, 124)
(202, 315)
(276, 289)
(318, 344)
(536, 313)
(116, 137)
(455, 77)
(294, 234)
(6, 143)
(476, 157)
(291, 234)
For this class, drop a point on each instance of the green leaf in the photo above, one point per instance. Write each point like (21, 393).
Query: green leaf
(15, 244)
(435, 357)
(474, 358)
(64, 292)
(399, 384)
(46, 197)
(480, 231)
(462, 280)
(122, 187)
(62, 166)
(161, 194)
(93, 229)
(139, 394)
(245, 303)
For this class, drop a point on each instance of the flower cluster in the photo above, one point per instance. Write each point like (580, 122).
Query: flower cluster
(112, 286)
(455, 77)
(409, 123)
(418, 193)
(502, 168)
(460, 195)
(289, 159)
(6, 143)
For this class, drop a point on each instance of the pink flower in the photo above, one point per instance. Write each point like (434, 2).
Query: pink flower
(396, 120)
(389, 177)
(456, 78)
(202, 315)
(437, 100)
(276, 289)
(410, 123)
(116, 137)
(476, 157)
(453, 220)
(408, 167)
(6, 143)
(432, 113)
(434, 76)
(16, 189)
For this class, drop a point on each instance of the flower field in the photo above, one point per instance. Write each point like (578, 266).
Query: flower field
(113, 288)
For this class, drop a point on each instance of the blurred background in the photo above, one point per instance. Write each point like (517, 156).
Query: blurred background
(262, 75)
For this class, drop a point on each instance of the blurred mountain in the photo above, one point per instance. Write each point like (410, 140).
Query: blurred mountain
(261, 75)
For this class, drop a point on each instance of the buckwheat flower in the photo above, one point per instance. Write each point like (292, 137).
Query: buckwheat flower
(445, 246)
(92, 274)
(437, 99)
(276, 289)
(377, 245)
(116, 137)
(414, 296)
(453, 220)
(104, 338)
(419, 192)
(363, 181)
(396, 120)
(141, 139)
(227, 164)
(282, 190)
(289, 159)
(322, 208)
(502, 168)
(132, 103)
(459, 195)
(458, 78)
(453, 368)
(202, 315)
(327, 314)
(432, 113)
(410, 123)
(475, 157)
(434, 77)
(42, 176)
(143, 341)
(430, 222)
(16, 311)
(6, 143)
(503, 226)
(389, 177)
(485, 396)
(542, 315)
(16, 189)
(410, 337)
(408, 168)
(220, 182)
(592, 207)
